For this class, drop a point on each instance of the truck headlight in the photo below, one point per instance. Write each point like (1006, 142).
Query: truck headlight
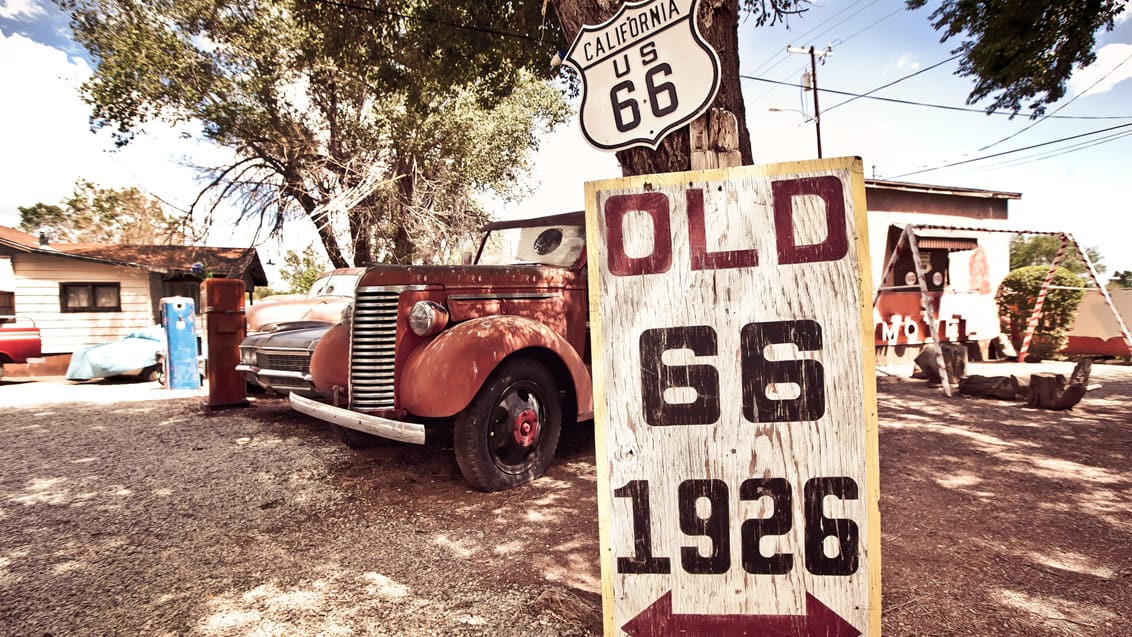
(247, 355)
(427, 318)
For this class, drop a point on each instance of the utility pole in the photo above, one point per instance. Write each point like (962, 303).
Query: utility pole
(814, 55)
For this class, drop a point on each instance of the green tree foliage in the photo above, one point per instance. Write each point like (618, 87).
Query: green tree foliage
(1120, 279)
(1017, 296)
(1041, 249)
(1022, 51)
(262, 292)
(378, 122)
(300, 269)
(106, 215)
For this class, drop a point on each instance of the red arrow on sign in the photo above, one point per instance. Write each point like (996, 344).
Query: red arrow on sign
(658, 620)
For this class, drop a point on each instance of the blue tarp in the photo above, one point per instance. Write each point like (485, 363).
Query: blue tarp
(136, 351)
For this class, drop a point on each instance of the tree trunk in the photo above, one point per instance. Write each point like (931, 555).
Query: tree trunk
(1052, 391)
(719, 24)
(322, 226)
(1000, 387)
(402, 248)
(1045, 390)
(954, 357)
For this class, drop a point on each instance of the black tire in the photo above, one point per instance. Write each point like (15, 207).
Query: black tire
(152, 374)
(355, 439)
(508, 434)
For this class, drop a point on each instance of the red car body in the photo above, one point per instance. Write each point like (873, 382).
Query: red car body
(19, 340)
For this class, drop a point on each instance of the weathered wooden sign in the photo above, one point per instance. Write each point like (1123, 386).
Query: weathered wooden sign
(645, 72)
(735, 401)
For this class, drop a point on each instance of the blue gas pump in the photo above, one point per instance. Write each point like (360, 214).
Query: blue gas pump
(178, 317)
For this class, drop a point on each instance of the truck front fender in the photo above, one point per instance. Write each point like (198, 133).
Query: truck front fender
(330, 361)
(441, 377)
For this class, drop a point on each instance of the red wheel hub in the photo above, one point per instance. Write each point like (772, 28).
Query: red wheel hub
(526, 428)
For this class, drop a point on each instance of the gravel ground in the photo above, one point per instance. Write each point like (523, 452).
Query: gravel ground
(125, 509)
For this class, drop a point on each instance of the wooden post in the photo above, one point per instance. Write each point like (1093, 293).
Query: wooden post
(890, 265)
(929, 317)
(714, 138)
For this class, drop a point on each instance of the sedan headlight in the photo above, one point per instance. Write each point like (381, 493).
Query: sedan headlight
(247, 355)
(427, 318)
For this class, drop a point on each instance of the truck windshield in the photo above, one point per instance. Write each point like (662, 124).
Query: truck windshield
(540, 245)
(335, 284)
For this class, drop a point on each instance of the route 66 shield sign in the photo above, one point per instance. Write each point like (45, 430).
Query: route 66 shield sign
(645, 72)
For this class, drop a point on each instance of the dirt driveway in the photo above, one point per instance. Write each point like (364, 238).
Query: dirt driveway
(126, 510)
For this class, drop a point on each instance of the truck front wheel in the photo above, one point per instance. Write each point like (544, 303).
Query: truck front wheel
(508, 434)
(355, 439)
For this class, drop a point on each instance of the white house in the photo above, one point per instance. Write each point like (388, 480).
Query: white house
(84, 294)
(964, 257)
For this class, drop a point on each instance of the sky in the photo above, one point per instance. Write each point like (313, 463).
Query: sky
(1081, 185)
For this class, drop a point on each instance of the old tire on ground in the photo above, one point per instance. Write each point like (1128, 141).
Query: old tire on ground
(508, 434)
(152, 374)
(353, 438)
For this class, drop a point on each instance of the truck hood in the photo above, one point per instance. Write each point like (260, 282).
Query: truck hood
(474, 277)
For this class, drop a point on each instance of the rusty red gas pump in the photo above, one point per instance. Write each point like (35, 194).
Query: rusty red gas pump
(223, 302)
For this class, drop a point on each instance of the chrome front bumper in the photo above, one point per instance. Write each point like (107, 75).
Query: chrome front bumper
(376, 425)
(277, 380)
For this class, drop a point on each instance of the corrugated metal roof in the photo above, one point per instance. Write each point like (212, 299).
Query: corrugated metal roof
(946, 243)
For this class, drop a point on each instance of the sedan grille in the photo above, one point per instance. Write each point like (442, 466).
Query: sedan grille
(372, 348)
(284, 362)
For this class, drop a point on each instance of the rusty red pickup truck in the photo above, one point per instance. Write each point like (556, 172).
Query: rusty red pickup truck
(492, 356)
(19, 341)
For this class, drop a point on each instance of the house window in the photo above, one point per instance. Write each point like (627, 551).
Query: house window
(90, 297)
(7, 289)
(188, 287)
(934, 262)
(7, 305)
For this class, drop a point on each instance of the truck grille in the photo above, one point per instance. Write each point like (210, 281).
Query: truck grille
(372, 348)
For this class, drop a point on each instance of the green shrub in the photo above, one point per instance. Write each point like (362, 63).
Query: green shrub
(1016, 297)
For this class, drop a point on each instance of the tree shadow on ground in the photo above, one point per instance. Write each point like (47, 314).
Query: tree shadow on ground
(1001, 520)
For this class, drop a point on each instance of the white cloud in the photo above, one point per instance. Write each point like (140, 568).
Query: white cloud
(43, 123)
(906, 63)
(48, 143)
(20, 10)
(1113, 65)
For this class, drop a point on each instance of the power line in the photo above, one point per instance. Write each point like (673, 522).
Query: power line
(783, 82)
(1021, 161)
(894, 82)
(1016, 150)
(925, 104)
(773, 61)
(878, 21)
(1059, 108)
